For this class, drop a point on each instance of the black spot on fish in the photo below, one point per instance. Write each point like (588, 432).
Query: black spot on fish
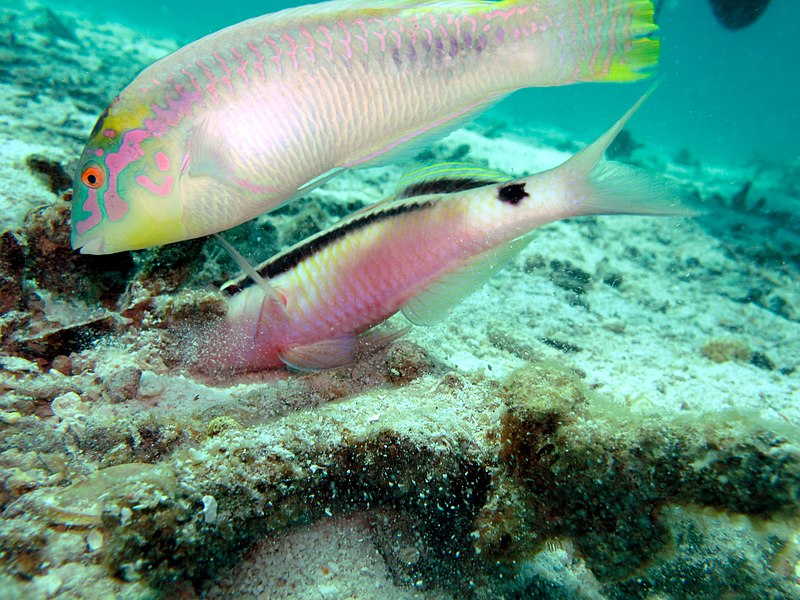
(442, 186)
(512, 193)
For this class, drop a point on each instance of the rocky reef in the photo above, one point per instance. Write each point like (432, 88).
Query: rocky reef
(474, 487)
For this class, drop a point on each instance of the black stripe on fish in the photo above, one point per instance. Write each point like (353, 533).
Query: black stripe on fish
(443, 186)
(512, 193)
(291, 258)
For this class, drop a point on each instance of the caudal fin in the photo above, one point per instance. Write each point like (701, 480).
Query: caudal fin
(603, 40)
(606, 187)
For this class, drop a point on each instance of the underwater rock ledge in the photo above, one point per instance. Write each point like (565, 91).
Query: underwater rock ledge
(485, 475)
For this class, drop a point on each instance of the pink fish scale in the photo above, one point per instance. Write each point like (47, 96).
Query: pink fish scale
(628, 26)
(364, 39)
(612, 39)
(198, 98)
(211, 86)
(226, 69)
(259, 64)
(328, 43)
(242, 70)
(473, 22)
(292, 51)
(345, 41)
(277, 52)
(381, 35)
(311, 44)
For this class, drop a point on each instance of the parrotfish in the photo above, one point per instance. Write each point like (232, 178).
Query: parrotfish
(241, 121)
(447, 229)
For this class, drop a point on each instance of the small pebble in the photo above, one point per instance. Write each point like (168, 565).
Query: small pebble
(219, 424)
(69, 406)
(49, 584)
(150, 385)
(10, 417)
(62, 364)
(209, 509)
(328, 591)
(123, 384)
(94, 541)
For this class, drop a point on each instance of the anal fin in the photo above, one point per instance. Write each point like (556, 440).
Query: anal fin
(434, 302)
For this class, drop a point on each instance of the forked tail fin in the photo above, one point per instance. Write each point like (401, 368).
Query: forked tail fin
(600, 186)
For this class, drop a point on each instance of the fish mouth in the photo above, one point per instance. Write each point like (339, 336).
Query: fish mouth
(95, 245)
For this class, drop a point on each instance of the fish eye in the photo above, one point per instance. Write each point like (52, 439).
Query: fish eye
(93, 177)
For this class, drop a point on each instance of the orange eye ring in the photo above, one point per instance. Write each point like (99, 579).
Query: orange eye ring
(93, 177)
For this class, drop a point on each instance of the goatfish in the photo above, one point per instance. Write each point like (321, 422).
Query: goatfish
(448, 228)
(245, 119)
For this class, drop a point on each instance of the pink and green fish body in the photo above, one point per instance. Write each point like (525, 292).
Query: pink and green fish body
(414, 253)
(236, 123)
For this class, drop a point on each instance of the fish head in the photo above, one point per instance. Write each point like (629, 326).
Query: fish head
(126, 192)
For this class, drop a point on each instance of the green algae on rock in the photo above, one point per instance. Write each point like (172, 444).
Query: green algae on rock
(602, 479)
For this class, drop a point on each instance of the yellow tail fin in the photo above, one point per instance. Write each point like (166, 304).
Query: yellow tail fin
(595, 40)
(618, 39)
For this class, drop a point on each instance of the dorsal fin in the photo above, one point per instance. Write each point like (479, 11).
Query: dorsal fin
(341, 9)
(447, 178)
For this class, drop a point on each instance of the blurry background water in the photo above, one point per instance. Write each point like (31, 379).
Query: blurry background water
(728, 96)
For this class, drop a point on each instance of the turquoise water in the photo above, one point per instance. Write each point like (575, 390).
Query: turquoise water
(728, 96)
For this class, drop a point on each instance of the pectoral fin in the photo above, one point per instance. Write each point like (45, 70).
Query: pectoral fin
(317, 181)
(206, 153)
(322, 355)
(338, 351)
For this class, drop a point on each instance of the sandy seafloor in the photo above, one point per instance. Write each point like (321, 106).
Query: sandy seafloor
(615, 415)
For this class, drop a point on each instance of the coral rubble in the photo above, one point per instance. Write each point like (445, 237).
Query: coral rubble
(478, 479)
